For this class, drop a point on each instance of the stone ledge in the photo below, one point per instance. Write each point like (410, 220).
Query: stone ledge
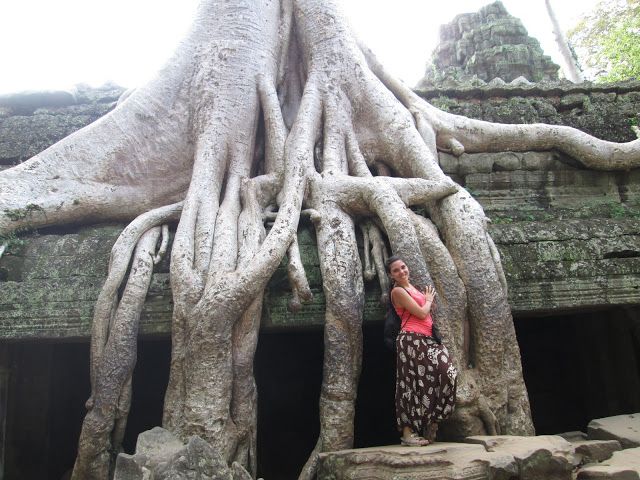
(486, 457)
(543, 89)
(48, 286)
(624, 428)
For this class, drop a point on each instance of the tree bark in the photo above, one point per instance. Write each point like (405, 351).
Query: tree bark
(573, 72)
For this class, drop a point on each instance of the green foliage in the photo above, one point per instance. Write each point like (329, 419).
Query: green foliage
(607, 40)
(12, 241)
(445, 104)
(617, 210)
(497, 220)
(16, 214)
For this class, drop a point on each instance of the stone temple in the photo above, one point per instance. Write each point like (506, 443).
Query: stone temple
(488, 45)
(569, 240)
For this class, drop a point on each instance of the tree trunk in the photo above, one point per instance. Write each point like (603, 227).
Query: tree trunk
(573, 72)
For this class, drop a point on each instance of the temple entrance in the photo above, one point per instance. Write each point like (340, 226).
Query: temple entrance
(577, 367)
(581, 366)
(48, 385)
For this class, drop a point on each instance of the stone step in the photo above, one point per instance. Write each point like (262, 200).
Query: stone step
(486, 457)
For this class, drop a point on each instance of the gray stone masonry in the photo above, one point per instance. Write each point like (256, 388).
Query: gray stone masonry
(569, 238)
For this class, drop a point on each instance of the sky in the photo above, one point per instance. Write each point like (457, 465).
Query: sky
(56, 44)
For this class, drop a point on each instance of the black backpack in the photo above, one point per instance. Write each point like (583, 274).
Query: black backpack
(393, 324)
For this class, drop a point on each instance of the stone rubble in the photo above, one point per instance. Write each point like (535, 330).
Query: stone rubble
(625, 428)
(567, 456)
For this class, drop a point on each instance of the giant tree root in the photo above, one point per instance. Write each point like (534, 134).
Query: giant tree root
(268, 108)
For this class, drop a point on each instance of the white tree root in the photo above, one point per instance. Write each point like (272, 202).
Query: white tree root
(118, 264)
(458, 134)
(451, 305)
(375, 257)
(301, 292)
(379, 253)
(113, 367)
(344, 293)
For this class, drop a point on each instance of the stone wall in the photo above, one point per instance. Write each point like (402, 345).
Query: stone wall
(30, 122)
(569, 237)
(607, 111)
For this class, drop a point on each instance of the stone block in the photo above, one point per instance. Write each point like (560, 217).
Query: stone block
(157, 445)
(623, 465)
(575, 100)
(628, 458)
(596, 450)
(575, 436)
(129, 467)
(624, 428)
(544, 456)
(197, 460)
(603, 472)
(441, 461)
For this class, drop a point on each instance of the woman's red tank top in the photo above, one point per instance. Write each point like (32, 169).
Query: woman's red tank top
(411, 323)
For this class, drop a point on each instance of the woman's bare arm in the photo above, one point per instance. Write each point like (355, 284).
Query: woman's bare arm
(401, 298)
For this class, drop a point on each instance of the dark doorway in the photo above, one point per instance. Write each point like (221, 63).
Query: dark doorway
(577, 367)
(288, 369)
(580, 367)
(48, 387)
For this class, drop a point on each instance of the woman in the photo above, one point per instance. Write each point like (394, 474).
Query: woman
(425, 374)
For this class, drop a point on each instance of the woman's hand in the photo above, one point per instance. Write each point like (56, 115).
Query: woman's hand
(401, 298)
(430, 293)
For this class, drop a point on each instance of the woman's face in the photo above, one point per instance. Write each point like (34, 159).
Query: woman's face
(399, 271)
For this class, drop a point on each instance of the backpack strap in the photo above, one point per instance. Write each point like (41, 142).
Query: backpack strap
(402, 320)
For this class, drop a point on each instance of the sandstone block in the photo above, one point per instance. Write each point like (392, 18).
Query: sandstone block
(157, 445)
(603, 472)
(544, 456)
(575, 436)
(128, 467)
(596, 450)
(629, 458)
(441, 461)
(624, 428)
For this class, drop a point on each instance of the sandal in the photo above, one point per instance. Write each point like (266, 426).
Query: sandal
(414, 440)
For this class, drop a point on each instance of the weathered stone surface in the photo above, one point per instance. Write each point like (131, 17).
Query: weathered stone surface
(629, 458)
(32, 121)
(624, 428)
(154, 448)
(161, 456)
(129, 468)
(623, 465)
(157, 445)
(544, 456)
(573, 437)
(485, 46)
(49, 285)
(197, 460)
(607, 111)
(440, 461)
(603, 472)
(596, 450)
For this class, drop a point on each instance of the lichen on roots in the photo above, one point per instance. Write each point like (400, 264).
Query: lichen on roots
(266, 109)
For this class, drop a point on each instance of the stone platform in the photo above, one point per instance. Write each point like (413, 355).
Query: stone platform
(550, 457)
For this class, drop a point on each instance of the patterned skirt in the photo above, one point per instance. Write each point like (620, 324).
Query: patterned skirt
(425, 382)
